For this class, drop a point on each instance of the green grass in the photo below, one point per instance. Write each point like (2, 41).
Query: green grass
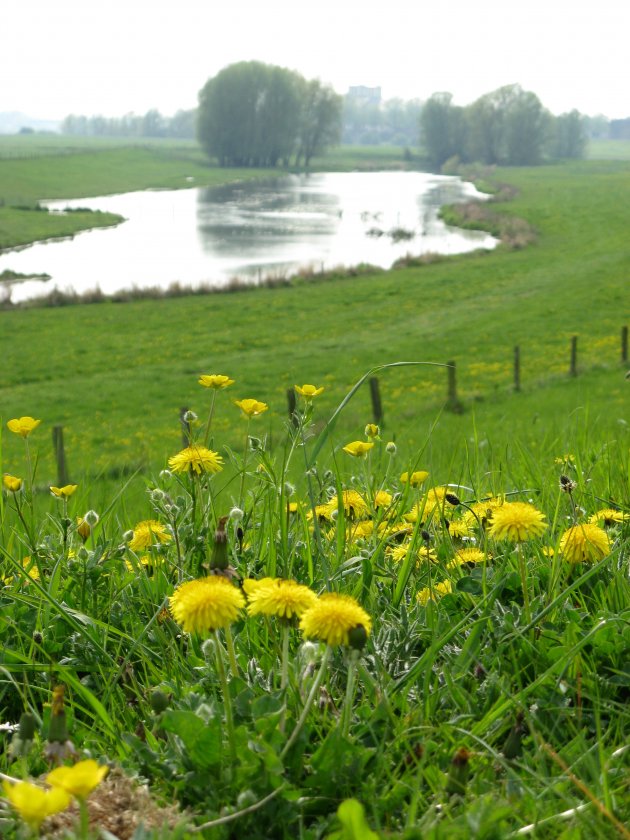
(92, 368)
(608, 150)
(523, 665)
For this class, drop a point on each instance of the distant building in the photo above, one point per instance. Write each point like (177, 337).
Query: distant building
(365, 95)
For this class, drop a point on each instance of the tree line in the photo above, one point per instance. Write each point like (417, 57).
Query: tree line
(152, 124)
(509, 126)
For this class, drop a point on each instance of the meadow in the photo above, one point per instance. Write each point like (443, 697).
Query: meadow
(316, 628)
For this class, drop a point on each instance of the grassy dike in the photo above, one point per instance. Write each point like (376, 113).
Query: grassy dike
(116, 375)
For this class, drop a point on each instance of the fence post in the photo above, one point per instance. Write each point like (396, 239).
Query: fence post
(292, 404)
(186, 428)
(452, 401)
(517, 368)
(624, 344)
(60, 456)
(377, 405)
(573, 369)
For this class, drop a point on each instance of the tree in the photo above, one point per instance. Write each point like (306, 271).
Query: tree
(255, 114)
(442, 128)
(569, 136)
(320, 120)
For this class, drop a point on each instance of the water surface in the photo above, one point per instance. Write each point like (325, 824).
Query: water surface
(249, 231)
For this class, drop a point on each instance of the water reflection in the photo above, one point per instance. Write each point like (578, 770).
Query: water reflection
(249, 230)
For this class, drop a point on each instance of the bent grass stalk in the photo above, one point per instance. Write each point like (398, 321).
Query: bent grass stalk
(309, 702)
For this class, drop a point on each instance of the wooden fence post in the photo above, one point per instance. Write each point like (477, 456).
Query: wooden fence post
(517, 368)
(186, 428)
(292, 404)
(60, 456)
(624, 344)
(377, 405)
(573, 368)
(452, 400)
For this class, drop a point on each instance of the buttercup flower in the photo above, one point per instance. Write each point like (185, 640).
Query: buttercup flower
(147, 533)
(274, 596)
(206, 604)
(216, 381)
(78, 780)
(196, 459)
(11, 483)
(34, 804)
(23, 426)
(415, 478)
(372, 431)
(425, 595)
(309, 391)
(358, 448)
(584, 543)
(517, 521)
(333, 617)
(64, 492)
(609, 517)
(251, 408)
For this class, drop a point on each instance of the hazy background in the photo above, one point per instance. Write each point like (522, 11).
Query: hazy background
(77, 56)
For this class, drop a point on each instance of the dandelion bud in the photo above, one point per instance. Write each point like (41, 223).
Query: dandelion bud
(426, 536)
(308, 652)
(91, 517)
(458, 772)
(236, 514)
(391, 448)
(334, 514)
(189, 417)
(157, 495)
(83, 529)
(289, 489)
(57, 730)
(254, 443)
(127, 536)
(26, 729)
(219, 560)
(452, 499)
(166, 475)
(159, 701)
(38, 637)
(372, 430)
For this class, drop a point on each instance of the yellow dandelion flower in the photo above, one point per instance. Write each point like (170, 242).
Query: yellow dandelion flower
(438, 591)
(78, 780)
(34, 804)
(333, 617)
(29, 567)
(382, 499)
(548, 551)
(399, 553)
(360, 530)
(564, 459)
(584, 543)
(433, 504)
(481, 512)
(415, 479)
(216, 381)
(23, 426)
(358, 448)
(63, 492)
(517, 521)
(275, 596)
(148, 533)
(459, 528)
(196, 459)
(354, 505)
(251, 408)
(309, 391)
(206, 604)
(11, 483)
(467, 555)
(609, 517)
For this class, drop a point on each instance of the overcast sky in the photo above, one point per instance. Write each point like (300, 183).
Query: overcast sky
(79, 56)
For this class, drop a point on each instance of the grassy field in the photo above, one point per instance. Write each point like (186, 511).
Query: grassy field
(424, 693)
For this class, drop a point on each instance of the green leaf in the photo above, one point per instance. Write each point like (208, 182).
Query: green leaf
(351, 815)
(203, 741)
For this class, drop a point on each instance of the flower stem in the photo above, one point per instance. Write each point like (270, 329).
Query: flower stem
(84, 819)
(284, 672)
(309, 702)
(229, 641)
(349, 699)
(522, 568)
(242, 489)
(227, 703)
(209, 423)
